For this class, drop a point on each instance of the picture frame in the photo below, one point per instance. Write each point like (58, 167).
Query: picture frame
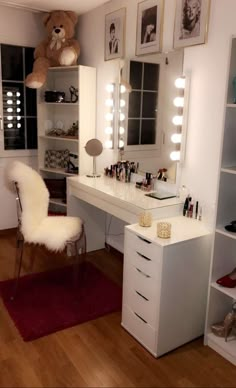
(149, 27)
(115, 34)
(191, 22)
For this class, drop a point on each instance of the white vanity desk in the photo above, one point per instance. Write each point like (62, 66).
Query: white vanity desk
(165, 281)
(107, 195)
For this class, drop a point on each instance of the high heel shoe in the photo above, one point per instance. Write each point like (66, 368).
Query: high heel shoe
(228, 280)
(224, 328)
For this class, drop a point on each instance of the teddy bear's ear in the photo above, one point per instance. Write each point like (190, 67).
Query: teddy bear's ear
(46, 17)
(73, 16)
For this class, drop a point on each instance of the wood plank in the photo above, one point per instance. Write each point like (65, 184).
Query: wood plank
(100, 352)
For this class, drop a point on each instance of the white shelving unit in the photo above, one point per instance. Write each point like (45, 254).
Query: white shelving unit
(220, 299)
(60, 79)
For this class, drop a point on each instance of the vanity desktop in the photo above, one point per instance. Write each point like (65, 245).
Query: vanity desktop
(96, 200)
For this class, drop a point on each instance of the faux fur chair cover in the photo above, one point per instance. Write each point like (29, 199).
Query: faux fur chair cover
(37, 227)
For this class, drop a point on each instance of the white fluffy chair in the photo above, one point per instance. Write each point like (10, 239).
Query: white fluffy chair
(34, 224)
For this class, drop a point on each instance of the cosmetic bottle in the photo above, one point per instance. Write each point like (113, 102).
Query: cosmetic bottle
(186, 204)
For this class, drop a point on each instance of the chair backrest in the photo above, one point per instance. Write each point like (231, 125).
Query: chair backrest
(33, 195)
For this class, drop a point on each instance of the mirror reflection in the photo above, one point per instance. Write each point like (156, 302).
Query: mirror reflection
(150, 110)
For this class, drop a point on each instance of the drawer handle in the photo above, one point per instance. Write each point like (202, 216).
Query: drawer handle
(142, 273)
(140, 317)
(144, 257)
(143, 239)
(142, 296)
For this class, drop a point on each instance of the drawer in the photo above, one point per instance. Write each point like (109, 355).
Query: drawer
(148, 265)
(141, 282)
(141, 330)
(147, 309)
(142, 245)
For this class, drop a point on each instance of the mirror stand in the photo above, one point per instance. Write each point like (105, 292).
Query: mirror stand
(94, 173)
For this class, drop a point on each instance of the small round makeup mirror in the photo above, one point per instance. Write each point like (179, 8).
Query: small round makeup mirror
(94, 148)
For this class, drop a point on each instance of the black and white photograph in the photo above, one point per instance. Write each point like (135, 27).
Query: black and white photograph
(114, 34)
(149, 27)
(191, 22)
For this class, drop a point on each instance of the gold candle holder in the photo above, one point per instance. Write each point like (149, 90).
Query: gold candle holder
(145, 219)
(163, 229)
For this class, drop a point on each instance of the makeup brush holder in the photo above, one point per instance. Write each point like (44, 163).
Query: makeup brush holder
(163, 229)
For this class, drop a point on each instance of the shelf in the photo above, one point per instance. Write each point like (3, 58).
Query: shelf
(60, 138)
(221, 230)
(229, 170)
(231, 292)
(57, 201)
(60, 103)
(64, 68)
(226, 349)
(56, 171)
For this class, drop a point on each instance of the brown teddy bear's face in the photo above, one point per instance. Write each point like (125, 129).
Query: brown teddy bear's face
(60, 24)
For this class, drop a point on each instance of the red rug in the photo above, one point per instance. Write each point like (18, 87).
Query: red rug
(47, 302)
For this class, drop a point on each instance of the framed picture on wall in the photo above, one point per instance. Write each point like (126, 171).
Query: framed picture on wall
(115, 34)
(191, 22)
(149, 27)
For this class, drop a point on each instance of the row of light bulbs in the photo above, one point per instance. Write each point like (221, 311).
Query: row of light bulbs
(176, 138)
(115, 114)
(11, 110)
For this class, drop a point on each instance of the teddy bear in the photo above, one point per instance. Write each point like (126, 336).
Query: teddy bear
(58, 49)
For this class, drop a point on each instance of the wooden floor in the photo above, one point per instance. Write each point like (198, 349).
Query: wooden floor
(99, 353)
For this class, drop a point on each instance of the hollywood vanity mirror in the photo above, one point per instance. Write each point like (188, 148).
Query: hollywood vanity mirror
(150, 110)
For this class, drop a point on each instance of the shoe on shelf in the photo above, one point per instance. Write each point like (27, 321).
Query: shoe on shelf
(228, 280)
(223, 329)
(231, 227)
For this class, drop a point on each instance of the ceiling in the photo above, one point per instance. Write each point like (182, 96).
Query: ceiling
(78, 6)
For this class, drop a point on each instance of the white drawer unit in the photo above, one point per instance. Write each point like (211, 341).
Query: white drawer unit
(165, 284)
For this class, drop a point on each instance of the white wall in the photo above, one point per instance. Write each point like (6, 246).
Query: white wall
(26, 29)
(208, 66)
(91, 38)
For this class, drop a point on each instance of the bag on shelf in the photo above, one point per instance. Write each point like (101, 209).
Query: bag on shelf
(56, 158)
(56, 188)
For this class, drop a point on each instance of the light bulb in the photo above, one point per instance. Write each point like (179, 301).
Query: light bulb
(177, 120)
(121, 143)
(122, 116)
(9, 118)
(122, 89)
(180, 83)
(18, 117)
(108, 144)
(9, 102)
(17, 94)
(9, 94)
(179, 102)
(18, 102)
(18, 110)
(175, 155)
(121, 130)
(109, 117)
(18, 125)
(10, 110)
(108, 130)
(109, 102)
(176, 138)
(9, 125)
(122, 103)
(110, 88)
